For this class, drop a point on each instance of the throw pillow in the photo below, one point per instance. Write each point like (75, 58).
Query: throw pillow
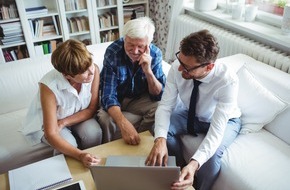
(258, 105)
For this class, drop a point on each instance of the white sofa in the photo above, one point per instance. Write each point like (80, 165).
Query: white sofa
(259, 158)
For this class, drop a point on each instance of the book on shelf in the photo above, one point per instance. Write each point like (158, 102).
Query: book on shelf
(8, 11)
(35, 11)
(38, 50)
(71, 5)
(22, 52)
(45, 48)
(85, 23)
(107, 20)
(79, 24)
(52, 45)
(7, 56)
(102, 3)
(45, 26)
(15, 53)
(44, 174)
(55, 22)
(11, 33)
(109, 36)
(73, 24)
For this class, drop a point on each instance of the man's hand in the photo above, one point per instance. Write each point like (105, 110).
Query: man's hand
(145, 60)
(186, 177)
(129, 133)
(158, 155)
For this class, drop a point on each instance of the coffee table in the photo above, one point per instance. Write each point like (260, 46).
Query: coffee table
(118, 147)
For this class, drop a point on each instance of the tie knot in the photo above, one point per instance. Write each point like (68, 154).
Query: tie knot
(196, 83)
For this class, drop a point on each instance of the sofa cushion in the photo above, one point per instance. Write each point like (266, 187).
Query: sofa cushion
(15, 151)
(255, 161)
(258, 105)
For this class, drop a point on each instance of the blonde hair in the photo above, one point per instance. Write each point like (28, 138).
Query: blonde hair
(139, 28)
(71, 58)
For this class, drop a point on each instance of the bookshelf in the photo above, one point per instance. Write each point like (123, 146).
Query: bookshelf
(39, 25)
(77, 20)
(12, 41)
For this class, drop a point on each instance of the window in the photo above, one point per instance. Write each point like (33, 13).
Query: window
(266, 28)
(269, 11)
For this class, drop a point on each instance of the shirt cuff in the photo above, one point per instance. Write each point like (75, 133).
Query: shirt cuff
(160, 133)
(199, 157)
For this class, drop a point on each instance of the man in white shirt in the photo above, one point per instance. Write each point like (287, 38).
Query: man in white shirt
(217, 113)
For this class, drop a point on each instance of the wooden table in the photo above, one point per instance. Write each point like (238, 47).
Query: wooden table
(118, 147)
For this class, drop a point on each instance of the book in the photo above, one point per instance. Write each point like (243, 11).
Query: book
(45, 48)
(38, 50)
(40, 175)
(36, 10)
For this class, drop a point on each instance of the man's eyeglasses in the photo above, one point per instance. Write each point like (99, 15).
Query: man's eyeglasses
(190, 69)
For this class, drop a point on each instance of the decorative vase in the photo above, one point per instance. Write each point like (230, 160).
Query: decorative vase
(286, 20)
(205, 5)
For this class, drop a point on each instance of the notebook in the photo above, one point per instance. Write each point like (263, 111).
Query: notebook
(130, 173)
(40, 175)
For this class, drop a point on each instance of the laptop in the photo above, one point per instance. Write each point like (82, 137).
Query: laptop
(130, 173)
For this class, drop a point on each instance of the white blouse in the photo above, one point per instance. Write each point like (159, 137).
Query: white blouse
(68, 100)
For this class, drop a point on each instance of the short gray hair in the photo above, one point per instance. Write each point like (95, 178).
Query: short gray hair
(139, 28)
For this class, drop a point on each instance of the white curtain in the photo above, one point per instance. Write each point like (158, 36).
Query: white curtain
(176, 9)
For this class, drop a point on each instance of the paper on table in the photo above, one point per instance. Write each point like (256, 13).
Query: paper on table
(40, 175)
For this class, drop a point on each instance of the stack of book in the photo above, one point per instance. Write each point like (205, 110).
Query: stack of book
(102, 3)
(46, 47)
(46, 26)
(36, 11)
(107, 20)
(11, 33)
(109, 36)
(15, 53)
(78, 24)
(71, 5)
(8, 11)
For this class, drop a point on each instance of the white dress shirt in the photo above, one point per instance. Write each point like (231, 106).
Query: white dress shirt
(216, 104)
(68, 101)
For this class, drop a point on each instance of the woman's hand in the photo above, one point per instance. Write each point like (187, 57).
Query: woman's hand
(89, 160)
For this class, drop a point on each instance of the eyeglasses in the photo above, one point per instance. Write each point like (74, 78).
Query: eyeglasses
(191, 69)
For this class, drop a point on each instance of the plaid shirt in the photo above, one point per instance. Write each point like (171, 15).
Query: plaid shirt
(118, 79)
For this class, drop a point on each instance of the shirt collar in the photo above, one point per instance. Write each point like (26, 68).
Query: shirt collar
(208, 77)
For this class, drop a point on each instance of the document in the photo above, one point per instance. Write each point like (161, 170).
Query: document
(40, 175)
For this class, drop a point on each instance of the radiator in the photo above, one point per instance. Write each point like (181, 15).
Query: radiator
(230, 43)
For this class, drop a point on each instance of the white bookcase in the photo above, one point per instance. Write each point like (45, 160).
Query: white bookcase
(84, 15)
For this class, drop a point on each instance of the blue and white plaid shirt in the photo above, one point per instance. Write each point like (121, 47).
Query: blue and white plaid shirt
(118, 79)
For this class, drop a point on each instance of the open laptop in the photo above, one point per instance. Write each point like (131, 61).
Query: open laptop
(130, 173)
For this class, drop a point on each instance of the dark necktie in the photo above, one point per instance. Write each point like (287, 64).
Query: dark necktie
(191, 111)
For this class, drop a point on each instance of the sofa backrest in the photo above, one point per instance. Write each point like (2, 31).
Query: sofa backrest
(19, 79)
(274, 80)
(19, 82)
